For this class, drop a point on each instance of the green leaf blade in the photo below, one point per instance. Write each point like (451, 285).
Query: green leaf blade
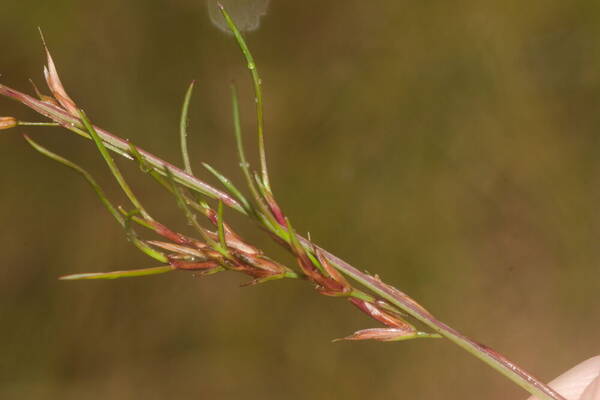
(257, 81)
(183, 128)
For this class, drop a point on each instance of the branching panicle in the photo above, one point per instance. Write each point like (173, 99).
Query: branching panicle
(218, 247)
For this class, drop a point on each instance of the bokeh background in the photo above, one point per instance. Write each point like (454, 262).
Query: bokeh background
(451, 147)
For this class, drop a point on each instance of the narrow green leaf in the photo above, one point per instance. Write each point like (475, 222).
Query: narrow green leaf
(237, 128)
(183, 125)
(88, 177)
(119, 274)
(257, 81)
(270, 223)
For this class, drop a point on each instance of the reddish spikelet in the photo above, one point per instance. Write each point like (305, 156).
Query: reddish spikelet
(261, 268)
(211, 215)
(335, 292)
(266, 265)
(56, 87)
(274, 208)
(330, 287)
(168, 234)
(232, 239)
(376, 313)
(302, 258)
(325, 285)
(178, 249)
(404, 296)
(333, 273)
(309, 269)
(381, 334)
(194, 266)
(250, 270)
(7, 122)
(385, 306)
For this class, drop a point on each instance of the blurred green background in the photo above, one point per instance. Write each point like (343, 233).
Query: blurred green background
(451, 147)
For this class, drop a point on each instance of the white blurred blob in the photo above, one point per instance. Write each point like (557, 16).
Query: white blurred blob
(581, 382)
(245, 13)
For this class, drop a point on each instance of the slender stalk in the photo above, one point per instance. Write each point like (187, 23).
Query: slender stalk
(183, 127)
(244, 164)
(494, 359)
(25, 123)
(257, 82)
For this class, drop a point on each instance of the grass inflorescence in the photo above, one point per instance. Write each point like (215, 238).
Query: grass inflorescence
(218, 248)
